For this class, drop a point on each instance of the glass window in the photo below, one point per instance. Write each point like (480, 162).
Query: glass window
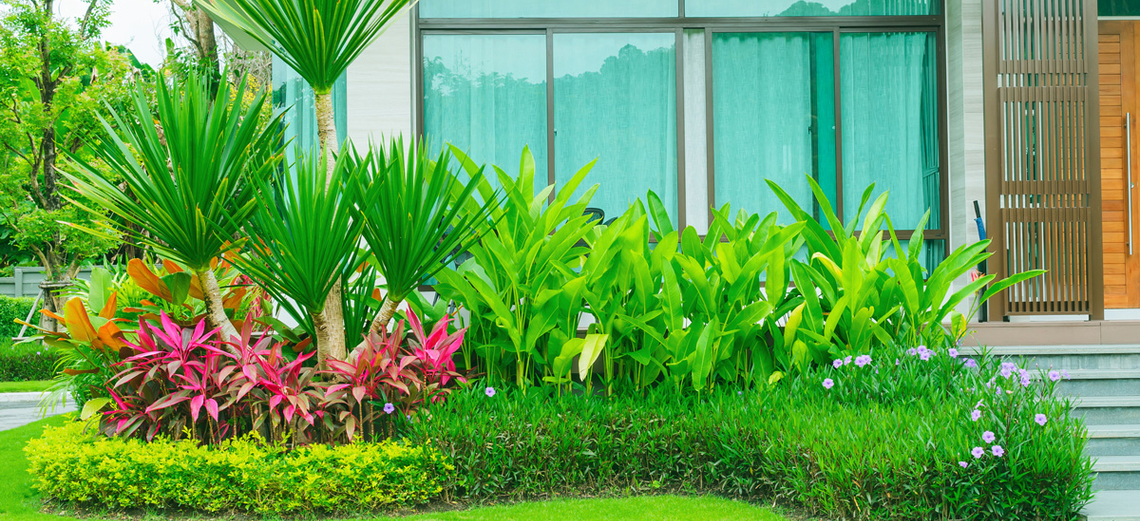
(812, 8)
(547, 8)
(486, 94)
(1117, 8)
(888, 88)
(292, 95)
(615, 100)
(774, 106)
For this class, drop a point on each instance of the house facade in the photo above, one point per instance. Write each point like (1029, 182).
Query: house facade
(1022, 107)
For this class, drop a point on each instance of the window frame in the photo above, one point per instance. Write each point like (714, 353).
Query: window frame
(935, 24)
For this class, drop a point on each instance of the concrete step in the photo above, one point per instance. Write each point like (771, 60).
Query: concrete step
(1108, 410)
(1100, 382)
(1117, 473)
(1114, 505)
(1070, 357)
(1113, 440)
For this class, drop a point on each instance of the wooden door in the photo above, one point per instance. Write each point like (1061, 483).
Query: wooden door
(1119, 117)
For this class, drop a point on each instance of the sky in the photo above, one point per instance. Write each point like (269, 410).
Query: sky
(141, 25)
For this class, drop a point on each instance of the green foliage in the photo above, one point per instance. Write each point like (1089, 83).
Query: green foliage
(244, 474)
(11, 310)
(883, 444)
(316, 38)
(524, 307)
(190, 174)
(47, 117)
(26, 362)
(411, 207)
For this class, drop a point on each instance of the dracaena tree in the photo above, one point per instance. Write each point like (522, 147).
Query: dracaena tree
(319, 39)
(192, 162)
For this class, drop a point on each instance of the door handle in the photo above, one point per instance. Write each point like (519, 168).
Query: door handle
(1128, 184)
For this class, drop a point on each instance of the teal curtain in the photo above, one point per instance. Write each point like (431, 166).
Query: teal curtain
(547, 8)
(615, 100)
(293, 96)
(812, 8)
(888, 86)
(486, 94)
(774, 106)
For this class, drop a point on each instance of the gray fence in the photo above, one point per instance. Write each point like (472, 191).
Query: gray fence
(26, 282)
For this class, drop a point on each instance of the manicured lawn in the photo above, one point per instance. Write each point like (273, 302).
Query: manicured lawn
(19, 502)
(35, 386)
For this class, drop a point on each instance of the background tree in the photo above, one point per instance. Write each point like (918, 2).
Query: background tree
(55, 76)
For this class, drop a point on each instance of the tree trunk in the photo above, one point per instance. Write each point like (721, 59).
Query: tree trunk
(387, 311)
(330, 322)
(215, 310)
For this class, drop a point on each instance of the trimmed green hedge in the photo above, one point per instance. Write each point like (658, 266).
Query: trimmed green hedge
(26, 362)
(11, 309)
(71, 464)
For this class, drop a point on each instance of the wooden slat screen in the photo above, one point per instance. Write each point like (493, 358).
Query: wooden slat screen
(1041, 164)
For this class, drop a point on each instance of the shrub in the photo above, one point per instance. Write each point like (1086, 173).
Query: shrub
(880, 442)
(11, 310)
(70, 464)
(26, 362)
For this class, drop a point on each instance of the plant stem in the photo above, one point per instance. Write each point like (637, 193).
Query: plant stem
(215, 309)
(330, 344)
(330, 323)
(387, 311)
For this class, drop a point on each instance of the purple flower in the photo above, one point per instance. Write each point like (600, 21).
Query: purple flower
(863, 360)
(988, 437)
(971, 363)
(963, 464)
(978, 452)
(837, 363)
(828, 383)
(389, 408)
(1064, 374)
(1007, 369)
(911, 351)
(1054, 376)
(1025, 378)
(1040, 419)
(952, 352)
(925, 355)
(997, 450)
(922, 349)
(490, 391)
(978, 405)
(896, 361)
(976, 415)
(847, 360)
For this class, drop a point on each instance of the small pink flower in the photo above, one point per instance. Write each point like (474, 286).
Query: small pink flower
(963, 464)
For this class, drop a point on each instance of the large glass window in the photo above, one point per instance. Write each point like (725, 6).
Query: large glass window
(615, 100)
(890, 122)
(812, 8)
(774, 106)
(547, 8)
(486, 94)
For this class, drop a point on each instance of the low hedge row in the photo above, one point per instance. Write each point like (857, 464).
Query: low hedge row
(26, 362)
(852, 461)
(71, 463)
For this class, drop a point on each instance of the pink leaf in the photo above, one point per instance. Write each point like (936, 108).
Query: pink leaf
(250, 372)
(196, 406)
(358, 393)
(212, 408)
(244, 390)
(289, 413)
(275, 400)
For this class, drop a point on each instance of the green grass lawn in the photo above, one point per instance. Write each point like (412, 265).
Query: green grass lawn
(34, 386)
(19, 502)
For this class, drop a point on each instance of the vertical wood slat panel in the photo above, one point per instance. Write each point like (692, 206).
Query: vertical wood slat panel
(1044, 190)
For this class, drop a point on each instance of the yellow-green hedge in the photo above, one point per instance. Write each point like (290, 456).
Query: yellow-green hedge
(72, 464)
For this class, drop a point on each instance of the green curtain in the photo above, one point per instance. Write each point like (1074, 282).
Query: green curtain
(615, 100)
(812, 8)
(889, 112)
(774, 107)
(486, 94)
(547, 8)
(292, 95)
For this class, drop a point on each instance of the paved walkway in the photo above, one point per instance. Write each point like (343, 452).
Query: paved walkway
(18, 409)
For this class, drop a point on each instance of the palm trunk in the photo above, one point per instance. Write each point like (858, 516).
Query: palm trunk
(330, 322)
(215, 310)
(387, 311)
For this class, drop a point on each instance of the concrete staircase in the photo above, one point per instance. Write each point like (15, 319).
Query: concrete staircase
(1105, 380)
